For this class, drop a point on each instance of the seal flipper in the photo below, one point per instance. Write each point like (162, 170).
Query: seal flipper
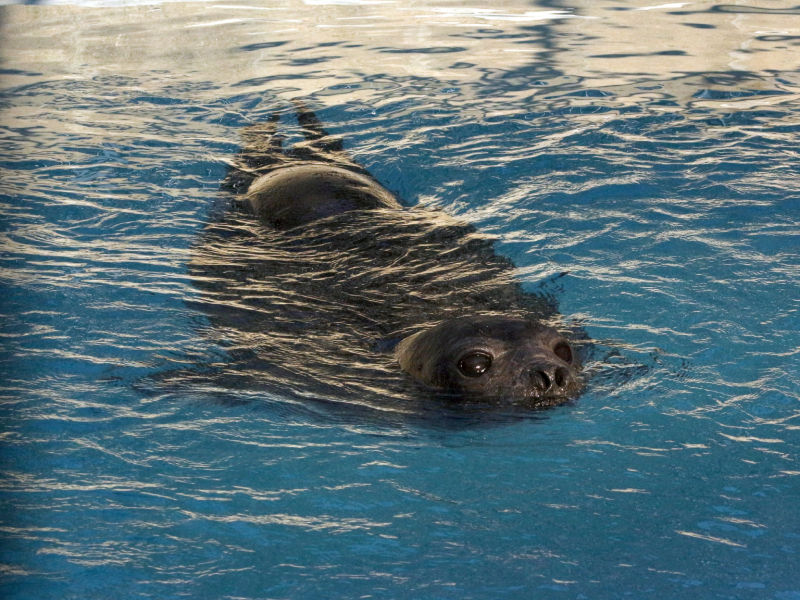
(314, 180)
(321, 146)
(317, 137)
(261, 151)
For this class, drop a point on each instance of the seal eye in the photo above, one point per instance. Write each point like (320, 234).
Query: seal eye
(475, 364)
(564, 352)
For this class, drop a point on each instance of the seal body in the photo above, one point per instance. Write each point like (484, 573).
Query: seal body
(298, 194)
(319, 280)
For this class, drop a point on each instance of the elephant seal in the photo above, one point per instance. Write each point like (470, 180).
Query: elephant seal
(321, 281)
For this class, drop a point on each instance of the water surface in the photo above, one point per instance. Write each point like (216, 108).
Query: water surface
(648, 152)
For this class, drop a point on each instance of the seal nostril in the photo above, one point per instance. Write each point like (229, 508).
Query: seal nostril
(540, 380)
(561, 376)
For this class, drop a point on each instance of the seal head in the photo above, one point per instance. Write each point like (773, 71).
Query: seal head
(492, 357)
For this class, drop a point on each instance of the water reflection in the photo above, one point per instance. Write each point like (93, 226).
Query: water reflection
(506, 49)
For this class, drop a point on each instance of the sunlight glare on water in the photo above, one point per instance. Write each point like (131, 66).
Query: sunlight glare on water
(636, 161)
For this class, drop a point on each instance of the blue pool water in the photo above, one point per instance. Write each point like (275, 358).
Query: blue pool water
(662, 180)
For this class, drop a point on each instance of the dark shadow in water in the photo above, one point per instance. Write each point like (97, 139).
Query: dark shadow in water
(435, 50)
(731, 8)
(262, 46)
(320, 45)
(304, 62)
(778, 38)
(261, 81)
(732, 94)
(664, 53)
(18, 72)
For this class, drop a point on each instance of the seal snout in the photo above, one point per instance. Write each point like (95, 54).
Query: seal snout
(548, 378)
